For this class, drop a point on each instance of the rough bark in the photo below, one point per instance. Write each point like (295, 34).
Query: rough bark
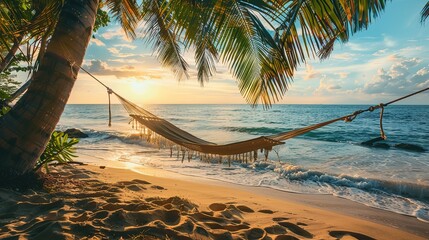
(26, 129)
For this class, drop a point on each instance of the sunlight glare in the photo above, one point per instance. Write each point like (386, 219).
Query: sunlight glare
(139, 87)
(141, 90)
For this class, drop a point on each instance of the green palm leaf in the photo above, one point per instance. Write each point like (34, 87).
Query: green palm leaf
(60, 149)
(425, 12)
(159, 30)
(127, 13)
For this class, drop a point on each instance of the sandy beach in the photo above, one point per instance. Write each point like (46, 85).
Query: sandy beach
(93, 202)
(225, 120)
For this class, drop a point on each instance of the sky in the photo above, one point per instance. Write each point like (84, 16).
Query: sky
(389, 59)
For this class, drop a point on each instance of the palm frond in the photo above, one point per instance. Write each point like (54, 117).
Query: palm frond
(425, 12)
(193, 23)
(206, 57)
(274, 75)
(127, 13)
(311, 27)
(159, 30)
(235, 40)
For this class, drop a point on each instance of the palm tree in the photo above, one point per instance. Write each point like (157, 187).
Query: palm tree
(262, 42)
(26, 129)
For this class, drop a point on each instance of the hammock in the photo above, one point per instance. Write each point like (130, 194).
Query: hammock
(163, 133)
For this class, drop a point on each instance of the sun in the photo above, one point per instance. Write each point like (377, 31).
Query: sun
(139, 87)
(142, 90)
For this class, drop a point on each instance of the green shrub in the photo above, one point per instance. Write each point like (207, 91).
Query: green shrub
(60, 149)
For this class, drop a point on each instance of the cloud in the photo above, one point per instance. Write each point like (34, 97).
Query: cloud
(326, 86)
(118, 53)
(380, 52)
(115, 33)
(421, 77)
(389, 42)
(97, 42)
(113, 50)
(405, 75)
(101, 68)
(343, 56)
(122, 60)
(310, 73)
(342, 75)
(413, 51)
(125, 45)
(356, 47)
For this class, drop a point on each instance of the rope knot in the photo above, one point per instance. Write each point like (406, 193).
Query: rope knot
(352, 116)
(349, 118)
(109, 91)
(72, 64)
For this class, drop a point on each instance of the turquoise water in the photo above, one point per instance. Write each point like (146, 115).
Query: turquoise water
(329, 160)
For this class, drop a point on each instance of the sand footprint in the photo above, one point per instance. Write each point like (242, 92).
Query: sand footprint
(279, 219)
(225, 235)
(296, 229)
(140, 181)
(156, 187)
(201, 217)
(256, 233)
(176, 202)
(285, 237)
(275, 229)
(245, 209)
(187, 226)
(235, 211)
(135, 188)
(99, 215)
(228, 227)
(172, 217)
(124, 183)
(266, 211)
(113, 200)
(80, 218)
(217, 207)
(341, 234)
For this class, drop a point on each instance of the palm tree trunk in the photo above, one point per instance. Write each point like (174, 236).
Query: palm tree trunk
(6, 60)
(26, 129)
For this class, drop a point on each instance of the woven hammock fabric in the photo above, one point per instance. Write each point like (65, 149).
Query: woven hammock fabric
(165, 133)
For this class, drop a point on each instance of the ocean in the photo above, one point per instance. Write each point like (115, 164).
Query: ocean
(330, 160)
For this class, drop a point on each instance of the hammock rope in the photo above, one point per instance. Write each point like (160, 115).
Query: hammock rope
(163, 133)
